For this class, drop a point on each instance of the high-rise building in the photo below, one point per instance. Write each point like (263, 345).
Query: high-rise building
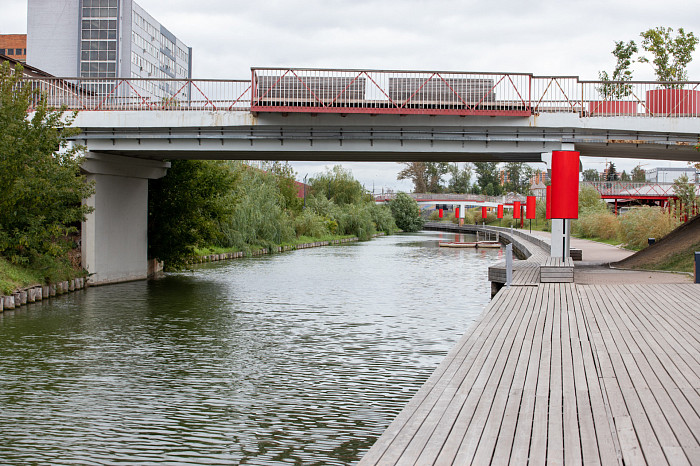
(106, 39)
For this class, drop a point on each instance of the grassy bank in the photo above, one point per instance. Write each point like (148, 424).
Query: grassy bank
(14, 277)
(299, 240)
(682, 261)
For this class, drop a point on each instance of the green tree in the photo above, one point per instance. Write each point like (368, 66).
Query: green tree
(41, 188)
(591, 174)
(426, 176)
(184, 209)
(671, 54)
(286, 182)
(611, 174)
(685, 191)
(639, 175)
(623, 53)
(518, 175)
(624, 176)
(406, 213)
(338, 185)
(460, 182)
(487, 178)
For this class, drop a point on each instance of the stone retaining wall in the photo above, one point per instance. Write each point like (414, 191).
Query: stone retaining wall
(37, 293)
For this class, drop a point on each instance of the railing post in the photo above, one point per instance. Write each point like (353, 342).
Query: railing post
(509, 264)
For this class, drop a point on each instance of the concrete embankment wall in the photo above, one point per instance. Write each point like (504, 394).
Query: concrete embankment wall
(38, 293)
(506, 235)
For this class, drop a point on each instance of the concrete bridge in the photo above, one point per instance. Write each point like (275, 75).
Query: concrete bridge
(130, 132)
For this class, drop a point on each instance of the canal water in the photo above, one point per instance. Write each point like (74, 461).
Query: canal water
(296, 358)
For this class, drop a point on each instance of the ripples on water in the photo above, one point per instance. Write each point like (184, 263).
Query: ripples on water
(300, 358)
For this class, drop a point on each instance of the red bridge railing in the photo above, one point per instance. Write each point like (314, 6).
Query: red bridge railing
(286, 90)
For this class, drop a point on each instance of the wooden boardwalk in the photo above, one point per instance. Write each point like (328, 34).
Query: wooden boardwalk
(562, 374)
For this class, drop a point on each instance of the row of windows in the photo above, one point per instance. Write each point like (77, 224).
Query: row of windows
(99, 12)
(102, 55)
(109, 24)
(102, 3)
(167, 44)
(146, 26)
(98, 45)
(13, 52)
(181, 54)
(145, 45)
(99, 34)
(181, 71)
(98, 67)
(144, 65)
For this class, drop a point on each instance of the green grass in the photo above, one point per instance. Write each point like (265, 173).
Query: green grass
(681, 262)
(205, 251)
(13, 277)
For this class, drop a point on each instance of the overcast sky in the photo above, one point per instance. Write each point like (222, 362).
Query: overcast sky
(541, 37)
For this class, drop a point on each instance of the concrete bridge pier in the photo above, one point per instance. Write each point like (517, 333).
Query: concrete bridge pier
(115, 236)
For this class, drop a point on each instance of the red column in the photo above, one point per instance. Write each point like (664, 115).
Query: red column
(500, 211)
(484, 212)
(440, 212)
(565, 169)
(531, 211)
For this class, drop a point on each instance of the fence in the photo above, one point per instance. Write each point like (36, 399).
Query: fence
(286, 90)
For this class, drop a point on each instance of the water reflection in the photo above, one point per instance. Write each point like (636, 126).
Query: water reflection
(302, 357)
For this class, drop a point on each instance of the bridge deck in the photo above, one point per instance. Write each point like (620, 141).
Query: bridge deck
(562, 374)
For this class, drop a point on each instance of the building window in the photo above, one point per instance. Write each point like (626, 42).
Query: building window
(2, 51)
(98, 53)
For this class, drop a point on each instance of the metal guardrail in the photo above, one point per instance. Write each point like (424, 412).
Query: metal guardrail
(634, 189)
(307, 90)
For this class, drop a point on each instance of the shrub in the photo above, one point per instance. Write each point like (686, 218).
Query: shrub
(310, 224)
(641, 223)
(382, 218)
(406, 213)
(597, 224)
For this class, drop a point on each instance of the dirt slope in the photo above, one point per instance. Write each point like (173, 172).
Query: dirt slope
(679, 240)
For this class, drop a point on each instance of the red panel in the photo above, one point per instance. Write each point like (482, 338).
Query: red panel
(500, 211)
(440, 211)
(484, 212)
(549, 202)
(516, 209)
(565, 169)
(531, 207)
(457, 212)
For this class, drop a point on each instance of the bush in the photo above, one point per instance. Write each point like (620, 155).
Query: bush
(406, 213)
(309, 224)
(382, 218)
(639, 224)
(597, 224)
(257, 217)
(356, 220)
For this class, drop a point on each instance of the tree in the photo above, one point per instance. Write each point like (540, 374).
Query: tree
(591, 174)
(624, 176)
(518, 175)
(286, 176)
(639, 175)
(487, 178)
(41, 188)
(406, 213)
(611, 174)
(685, 191)
(671, 54)
(460, 182)
(426, 176)
(623, 52)
(338, 185)
(184, 209)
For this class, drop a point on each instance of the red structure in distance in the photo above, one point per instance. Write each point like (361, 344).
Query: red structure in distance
(484, 212)
(516, 209)
(500, 211)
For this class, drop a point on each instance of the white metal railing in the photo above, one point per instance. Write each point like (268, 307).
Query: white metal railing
(375, 91)
(634, 189)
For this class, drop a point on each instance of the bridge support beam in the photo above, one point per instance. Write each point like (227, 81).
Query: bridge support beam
(115, 236)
